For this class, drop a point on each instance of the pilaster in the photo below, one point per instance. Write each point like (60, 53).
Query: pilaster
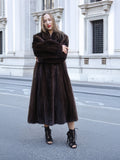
(117, 26)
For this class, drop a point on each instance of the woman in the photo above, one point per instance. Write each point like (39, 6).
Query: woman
(52, 100)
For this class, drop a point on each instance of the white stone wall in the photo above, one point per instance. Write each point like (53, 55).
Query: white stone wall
(23, 21)
(18, 59)
(95, 71)
(116, 9)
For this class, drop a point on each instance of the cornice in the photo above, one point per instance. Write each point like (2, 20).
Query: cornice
(103, 6)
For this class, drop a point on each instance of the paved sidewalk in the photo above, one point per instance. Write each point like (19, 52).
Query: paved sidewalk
(98, 125)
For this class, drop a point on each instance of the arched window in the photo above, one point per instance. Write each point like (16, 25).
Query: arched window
(48, 4)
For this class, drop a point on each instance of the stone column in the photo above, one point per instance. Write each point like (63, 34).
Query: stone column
(105, 40)
(117, 26)
(10, 28)
(39, 5)
(72, 24)
(3, 1)
(37, 21)
(57, 3)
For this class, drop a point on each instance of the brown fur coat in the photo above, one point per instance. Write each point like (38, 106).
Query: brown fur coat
(51, 100)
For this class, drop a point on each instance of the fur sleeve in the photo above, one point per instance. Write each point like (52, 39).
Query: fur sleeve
(45, 47)
(65, 40)
(49, 50)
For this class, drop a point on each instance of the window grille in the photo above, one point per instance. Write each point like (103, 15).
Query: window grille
(0, 42)
(48, 4)
(95, 0)
(97, 36)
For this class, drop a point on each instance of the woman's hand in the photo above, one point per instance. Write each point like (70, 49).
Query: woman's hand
(65, 49)
(36, 59)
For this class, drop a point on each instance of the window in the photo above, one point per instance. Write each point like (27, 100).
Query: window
(95, 0)
(0, 42)
(97, 36)
(48, 4)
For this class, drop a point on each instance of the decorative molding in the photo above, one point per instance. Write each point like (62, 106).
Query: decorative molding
(3, 22)
(117, 50)
(99, 56)
(57, 13)
(95, 11)
(96, 7)
(11, 52)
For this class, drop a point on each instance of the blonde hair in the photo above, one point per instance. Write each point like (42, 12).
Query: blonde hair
(55, 27)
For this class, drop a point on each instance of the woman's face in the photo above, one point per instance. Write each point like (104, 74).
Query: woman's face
(47, 20)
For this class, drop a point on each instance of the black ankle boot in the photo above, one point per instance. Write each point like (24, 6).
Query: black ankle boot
(48, 136)
(71, 138)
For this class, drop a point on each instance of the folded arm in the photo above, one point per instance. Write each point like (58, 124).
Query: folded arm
(49, 49)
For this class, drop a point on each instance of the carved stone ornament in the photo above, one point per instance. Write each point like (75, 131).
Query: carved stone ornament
(3, 22)
(96, 7)
(56, 12)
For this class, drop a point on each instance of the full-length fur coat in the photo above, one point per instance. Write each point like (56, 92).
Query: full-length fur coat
(51, 100)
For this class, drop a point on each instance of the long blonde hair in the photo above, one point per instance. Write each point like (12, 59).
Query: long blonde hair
(55, 27)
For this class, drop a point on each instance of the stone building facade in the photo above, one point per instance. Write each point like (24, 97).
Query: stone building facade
(92, 27)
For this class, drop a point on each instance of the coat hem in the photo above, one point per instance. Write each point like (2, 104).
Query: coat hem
(50, 124)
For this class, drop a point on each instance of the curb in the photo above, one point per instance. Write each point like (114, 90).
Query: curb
(100, 86)
(16, 78)
(96, 85)
(74, 83)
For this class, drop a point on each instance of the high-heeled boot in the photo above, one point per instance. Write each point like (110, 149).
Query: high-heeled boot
(48, 136)
(71, 135)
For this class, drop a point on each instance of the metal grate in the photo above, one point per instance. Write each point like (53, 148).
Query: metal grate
(97, 36)
(95, 0)
(0, 42)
